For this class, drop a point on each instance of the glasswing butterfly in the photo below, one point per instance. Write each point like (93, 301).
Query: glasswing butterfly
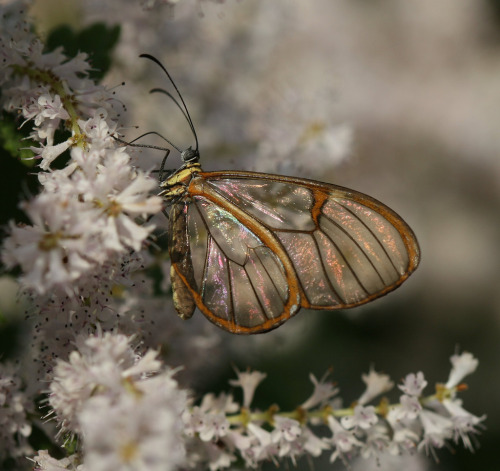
(249, 250)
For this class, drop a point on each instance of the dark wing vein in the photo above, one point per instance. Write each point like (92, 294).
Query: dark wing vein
(263, 310)
(334, 291)
(357, 244)
(230, 290)
(347, 263)
(207, 251)
(269, 275)
(372, 233)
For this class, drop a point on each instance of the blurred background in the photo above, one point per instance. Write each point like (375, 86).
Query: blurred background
(400, 100)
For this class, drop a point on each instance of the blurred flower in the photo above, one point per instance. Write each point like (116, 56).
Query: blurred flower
(413, 384)
(463, 365)
(363, 417)
(126, 407)
(15, 428)
(248, 381)
(323, 391)
(376, 384)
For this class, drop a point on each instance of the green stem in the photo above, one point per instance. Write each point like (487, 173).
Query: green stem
(56, 86)
(304, 416)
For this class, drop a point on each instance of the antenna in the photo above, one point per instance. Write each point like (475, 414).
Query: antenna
(183, 108)
(148, 146)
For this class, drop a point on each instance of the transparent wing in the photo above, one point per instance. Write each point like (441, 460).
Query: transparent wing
(261, 246)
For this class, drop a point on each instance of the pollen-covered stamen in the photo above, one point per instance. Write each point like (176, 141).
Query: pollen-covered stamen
(114, 208)
(50, 241)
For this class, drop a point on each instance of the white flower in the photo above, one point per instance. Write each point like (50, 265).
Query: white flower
(376, 384)
(44, 462)
(52, 252)
(413, 384)
(463, 365)
(99, 130)
(405, 433)
(437, 429)
(118, 194)
(323, 391)
(141, 431)
(313, 444)
(214, 426)
(285, 429)
(52, 107)
(363, 417)
(220, 403)
(377, 442)
(49, 153)
(409, 409)
(343, 440)
(248, 381)
(465, 424)
(262, 447)
(99, 365)
(127, 419)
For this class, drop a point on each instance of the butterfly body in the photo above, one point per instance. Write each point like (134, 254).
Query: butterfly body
(250, 249)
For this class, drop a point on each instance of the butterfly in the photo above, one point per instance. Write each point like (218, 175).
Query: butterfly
(249, 249)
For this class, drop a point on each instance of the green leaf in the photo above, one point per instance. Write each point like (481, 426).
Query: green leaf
(13, 141)
(97, 40)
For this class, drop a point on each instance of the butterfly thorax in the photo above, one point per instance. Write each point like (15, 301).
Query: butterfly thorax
(177, 183)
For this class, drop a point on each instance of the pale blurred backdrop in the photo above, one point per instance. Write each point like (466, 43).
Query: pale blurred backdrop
(400, 100)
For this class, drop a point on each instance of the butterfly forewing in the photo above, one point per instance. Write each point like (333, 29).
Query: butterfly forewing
(261, 246)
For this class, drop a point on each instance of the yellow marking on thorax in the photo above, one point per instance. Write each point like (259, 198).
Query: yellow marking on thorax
(177, 183)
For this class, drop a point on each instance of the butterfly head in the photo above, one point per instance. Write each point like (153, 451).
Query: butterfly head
(190, 155)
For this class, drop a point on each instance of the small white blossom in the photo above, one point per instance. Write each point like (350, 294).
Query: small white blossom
(313, 444)
(52, 107)
(376, 384)
(437, 429)
(323, 391)
(44, 462)
(214, 427)
(48, 153)
(465, 424)
(413, 384)
(405, 433)
(363, 417)
(377, 442)
(262, 447)
(410, 407)
(343, 440)
(463, 365)
(248, 381)
(220, 403)
(285, 429)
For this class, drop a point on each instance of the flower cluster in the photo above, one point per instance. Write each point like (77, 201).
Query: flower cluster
(85, 217)
(127, 410)
(228, 431)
